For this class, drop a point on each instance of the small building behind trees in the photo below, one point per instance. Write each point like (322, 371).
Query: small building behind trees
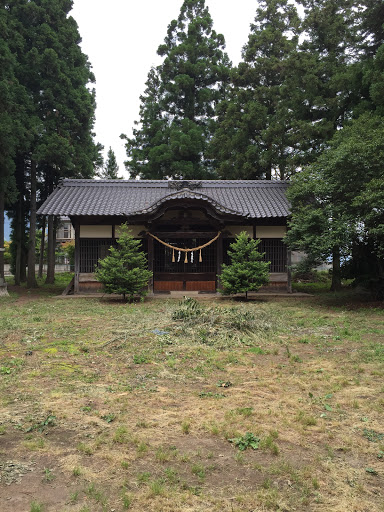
(186, 227)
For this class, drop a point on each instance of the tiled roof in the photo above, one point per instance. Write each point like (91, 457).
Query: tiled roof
(247, 198)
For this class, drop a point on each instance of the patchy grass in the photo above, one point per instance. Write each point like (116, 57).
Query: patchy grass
(191, 405)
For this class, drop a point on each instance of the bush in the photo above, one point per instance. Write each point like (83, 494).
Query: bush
(125, 271)
(7, 253)
(247, 271)
(68, 248)
(304, 270)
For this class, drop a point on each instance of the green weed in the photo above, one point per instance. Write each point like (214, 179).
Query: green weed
(248, 440)
(36, 507)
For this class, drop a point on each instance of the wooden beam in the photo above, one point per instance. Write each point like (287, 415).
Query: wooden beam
(150, 262)
(184, 234)
(289, 271)
(219, 259)
(77, 258)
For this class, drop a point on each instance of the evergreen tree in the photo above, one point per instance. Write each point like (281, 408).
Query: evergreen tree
(125, 270)
(326, 72)
(178, 107)
(148, 150)
(338, 199)
(247, 270)
(258, 135)
(60, 115)
(13, 101)
(110, 169)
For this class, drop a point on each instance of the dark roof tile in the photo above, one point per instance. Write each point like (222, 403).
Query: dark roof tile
(247, 198)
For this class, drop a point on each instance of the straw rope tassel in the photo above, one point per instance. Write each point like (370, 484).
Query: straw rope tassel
(182, 249)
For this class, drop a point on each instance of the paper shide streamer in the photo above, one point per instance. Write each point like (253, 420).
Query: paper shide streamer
(186, 251)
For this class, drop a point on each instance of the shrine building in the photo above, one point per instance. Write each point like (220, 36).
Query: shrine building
(185, 227)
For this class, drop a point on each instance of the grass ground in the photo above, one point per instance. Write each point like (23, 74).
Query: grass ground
(196, 406)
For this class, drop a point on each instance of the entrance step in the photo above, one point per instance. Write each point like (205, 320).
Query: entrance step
(185, 293)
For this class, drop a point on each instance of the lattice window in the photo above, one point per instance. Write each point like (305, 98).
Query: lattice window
(94, 249)
(275, 252)
(274, 248)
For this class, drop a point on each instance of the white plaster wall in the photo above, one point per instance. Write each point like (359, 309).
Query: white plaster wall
(270, 231)
(95, 231)
(236, 230)
(134, 230)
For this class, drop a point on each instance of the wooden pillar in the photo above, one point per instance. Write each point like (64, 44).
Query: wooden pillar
(77, 258)
(50, 279)
(150, 262)
(219, 258)
(31, 280)
(289, 271)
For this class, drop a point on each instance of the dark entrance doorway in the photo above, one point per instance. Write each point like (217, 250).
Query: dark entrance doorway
(180, 275)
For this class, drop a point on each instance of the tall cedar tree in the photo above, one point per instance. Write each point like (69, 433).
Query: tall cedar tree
(327, 55)
(110, 169)
(258, 136)
(7, 134)
(178, 108)
(56, 74)
(13, 101)
(125, 270)
(337, 200)
(325, 74)
(247, 270)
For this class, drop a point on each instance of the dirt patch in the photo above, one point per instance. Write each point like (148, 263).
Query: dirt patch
(144, 422)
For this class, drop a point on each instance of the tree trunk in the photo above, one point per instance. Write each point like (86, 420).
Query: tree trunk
(31, 282)
(336, 272)
(51, 251)
(42, 248)
(2, 200)
(289, 271)
(18, 222)
(18, 240)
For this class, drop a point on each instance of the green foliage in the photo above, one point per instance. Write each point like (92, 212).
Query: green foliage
(47, 120)
(68, 248)
(7, 252)
(258, 131)
(247, 271)
(372, 435)
(334, 201)
(178, 106)
(124, 270)
(48, 422)
(248, 440)
(222, 326)
(189, 308)
(36, 507)
(110, 169)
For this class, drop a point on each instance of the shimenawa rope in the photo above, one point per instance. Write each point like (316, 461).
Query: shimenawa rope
(181, 249)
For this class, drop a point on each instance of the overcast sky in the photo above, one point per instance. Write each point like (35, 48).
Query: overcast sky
(121, 38)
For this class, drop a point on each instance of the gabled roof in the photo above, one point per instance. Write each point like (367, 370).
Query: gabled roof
(247, 198)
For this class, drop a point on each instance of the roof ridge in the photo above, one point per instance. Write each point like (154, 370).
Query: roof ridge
(68, 181)
(185, 193)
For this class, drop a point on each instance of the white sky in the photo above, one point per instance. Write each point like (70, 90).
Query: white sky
(121, 38)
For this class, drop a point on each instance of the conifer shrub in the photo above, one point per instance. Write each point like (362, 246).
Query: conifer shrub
(247, 270)
(125, 270)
